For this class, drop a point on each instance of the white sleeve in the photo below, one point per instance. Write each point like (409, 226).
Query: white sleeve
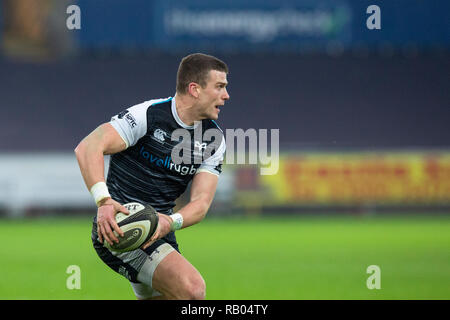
(131, 124)
(213, 164)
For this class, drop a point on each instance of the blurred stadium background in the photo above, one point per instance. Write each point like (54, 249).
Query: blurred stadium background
(364, 170)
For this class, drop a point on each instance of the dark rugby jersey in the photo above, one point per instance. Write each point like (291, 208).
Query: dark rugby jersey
(145, 171)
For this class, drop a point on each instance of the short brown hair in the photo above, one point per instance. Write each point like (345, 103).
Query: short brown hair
(195, 68)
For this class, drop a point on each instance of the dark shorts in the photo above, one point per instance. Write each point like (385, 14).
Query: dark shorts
(129, 264)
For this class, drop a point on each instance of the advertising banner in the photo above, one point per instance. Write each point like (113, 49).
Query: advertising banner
(260, 25)
(375, 178)
(250, 25)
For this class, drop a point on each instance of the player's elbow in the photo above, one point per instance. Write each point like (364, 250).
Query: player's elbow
(88, 146)
(80, 149)
(83, 150)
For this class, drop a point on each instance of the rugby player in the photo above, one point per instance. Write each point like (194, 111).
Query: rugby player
(141, 169)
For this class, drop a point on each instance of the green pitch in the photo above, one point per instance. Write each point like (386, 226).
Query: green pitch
(270, 258)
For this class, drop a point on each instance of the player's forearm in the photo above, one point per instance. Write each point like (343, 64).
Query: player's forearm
(194, 212)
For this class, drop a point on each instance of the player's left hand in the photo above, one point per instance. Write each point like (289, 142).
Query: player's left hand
(164, 227)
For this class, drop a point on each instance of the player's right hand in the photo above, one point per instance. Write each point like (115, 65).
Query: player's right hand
(106, 220)
(163, 228)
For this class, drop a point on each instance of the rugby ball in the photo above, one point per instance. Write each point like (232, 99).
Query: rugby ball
(138, 227)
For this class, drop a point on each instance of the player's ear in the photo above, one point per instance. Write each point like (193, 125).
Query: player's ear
(193, 89)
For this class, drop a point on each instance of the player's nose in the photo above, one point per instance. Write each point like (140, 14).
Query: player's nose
(226, 95)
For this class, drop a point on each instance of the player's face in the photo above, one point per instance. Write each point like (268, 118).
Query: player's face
(214, 95)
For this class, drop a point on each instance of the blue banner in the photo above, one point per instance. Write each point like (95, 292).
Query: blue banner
(116, 24)
(260, 25)
(253, 25)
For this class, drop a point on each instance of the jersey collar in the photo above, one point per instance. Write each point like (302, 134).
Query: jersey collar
(177, 118)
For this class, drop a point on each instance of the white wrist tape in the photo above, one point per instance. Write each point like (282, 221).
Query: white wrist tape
(100, 191)
(177, 221)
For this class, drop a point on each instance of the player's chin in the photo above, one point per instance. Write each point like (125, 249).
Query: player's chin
(215, 113)
(213, 116)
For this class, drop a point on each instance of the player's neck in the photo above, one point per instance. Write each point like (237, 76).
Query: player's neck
(185, 110)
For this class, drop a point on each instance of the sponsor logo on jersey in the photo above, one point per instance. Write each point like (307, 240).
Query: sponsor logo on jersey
(167, 163)
(128, 117)
(122, 113)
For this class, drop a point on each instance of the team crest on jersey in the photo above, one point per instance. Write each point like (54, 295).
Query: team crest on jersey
(199, 148)
(160, 135)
